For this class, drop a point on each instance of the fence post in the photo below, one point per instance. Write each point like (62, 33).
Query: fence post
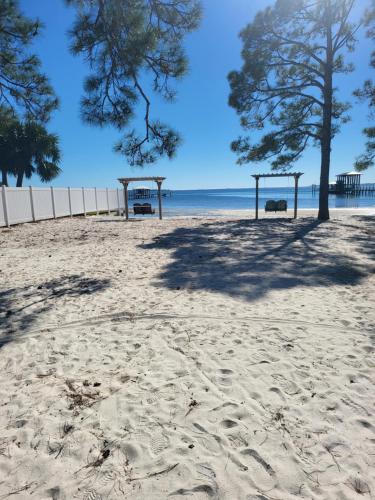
(53, 203)
(70, 202)
(5, 206)
(118, 203)
(84, 201)
(108, 201)
(32, 203)
(96, 202)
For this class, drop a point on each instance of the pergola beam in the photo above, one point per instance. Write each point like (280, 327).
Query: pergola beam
(136, 179)
(292, 174)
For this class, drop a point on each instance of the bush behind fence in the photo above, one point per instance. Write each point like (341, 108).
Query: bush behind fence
(30, 204)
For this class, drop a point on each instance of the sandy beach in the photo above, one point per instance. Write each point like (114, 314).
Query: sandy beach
(202, 358)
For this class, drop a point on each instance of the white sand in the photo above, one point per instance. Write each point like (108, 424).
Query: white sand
(227, 360)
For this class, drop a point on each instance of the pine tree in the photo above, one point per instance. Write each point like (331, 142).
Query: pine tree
(131, 45)
(291, 53)
(367, 159)
(23, 88)
(7, 123)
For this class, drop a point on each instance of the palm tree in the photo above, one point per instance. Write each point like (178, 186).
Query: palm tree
(7, 124)
(5, 159)
(35, 151)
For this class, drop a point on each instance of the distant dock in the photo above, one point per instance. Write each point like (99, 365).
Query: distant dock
(360, 190)
(134, 195)
(349, 184)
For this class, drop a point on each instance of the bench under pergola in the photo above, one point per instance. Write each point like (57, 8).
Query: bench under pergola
(125, 181)
(296, 176)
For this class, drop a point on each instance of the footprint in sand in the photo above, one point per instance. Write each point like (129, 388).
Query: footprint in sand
(289, 387)
(224, 377)
(158, 443)
(228, 424)
(55, 493)
(345, 322)
(107, 480)
(276, 390)
(152, 398)
(227, 404)
(259, 469)
(366, 425)
(201, 492)
(210, 442)
(91, 495)
(206, 471)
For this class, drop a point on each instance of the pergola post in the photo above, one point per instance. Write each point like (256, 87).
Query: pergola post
(296, 177)
(159, 199)
(256, 197)
(126, 184)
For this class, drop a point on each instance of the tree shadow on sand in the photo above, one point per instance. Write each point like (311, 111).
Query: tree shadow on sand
(365, 239)
(249, 258)
(20, 307)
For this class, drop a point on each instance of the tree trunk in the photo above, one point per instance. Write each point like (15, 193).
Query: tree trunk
(4, 177)
(326, 139)
(19, 179)
(324, 172)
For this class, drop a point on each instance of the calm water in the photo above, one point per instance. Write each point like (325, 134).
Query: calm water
(202, 201)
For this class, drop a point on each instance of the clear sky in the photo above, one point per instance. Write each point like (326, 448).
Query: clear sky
(201, 113)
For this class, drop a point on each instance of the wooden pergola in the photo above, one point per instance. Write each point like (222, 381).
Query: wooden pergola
(125, 181)
(296, 176)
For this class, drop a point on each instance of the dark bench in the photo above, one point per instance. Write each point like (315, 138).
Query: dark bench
(276, 206)
(143, 209)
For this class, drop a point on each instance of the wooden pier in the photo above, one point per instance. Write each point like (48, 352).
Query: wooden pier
(360, 190)
(145, 196)
(348, 184)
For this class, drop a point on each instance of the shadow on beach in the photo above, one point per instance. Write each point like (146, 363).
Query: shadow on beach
(247, 258)
(36, 300)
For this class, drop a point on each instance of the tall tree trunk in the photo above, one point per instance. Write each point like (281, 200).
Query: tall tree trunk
(325, 143)
(325, 166)
(4, 177)
(19, 179)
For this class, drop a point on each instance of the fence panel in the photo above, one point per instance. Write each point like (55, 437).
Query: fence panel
(122, 199)
(19, 205)
(90, 200)
(61, 197)
(101, 195)
(112, 198)
(43, 207)
(76, 196)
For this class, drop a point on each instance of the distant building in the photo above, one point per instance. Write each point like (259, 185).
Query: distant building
(141, 192)
(348, 181)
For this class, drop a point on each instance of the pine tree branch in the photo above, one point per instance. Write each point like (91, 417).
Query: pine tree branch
(298, 43)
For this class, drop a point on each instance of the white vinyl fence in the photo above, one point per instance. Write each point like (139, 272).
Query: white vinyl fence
(30, 204)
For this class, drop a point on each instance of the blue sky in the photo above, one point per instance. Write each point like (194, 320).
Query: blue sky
(200, 114)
